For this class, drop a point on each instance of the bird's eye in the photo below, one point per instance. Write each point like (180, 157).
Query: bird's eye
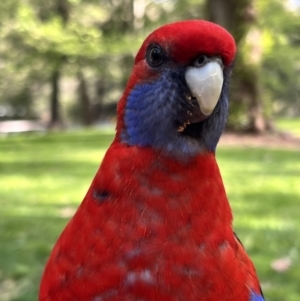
(155, 56)
(201, 61)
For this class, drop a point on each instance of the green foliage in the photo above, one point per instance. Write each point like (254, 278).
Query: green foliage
(100, 40)
(41, 188)
(38, 37)
(281, 70)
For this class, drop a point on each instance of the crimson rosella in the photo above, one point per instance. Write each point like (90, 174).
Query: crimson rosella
(156, 224)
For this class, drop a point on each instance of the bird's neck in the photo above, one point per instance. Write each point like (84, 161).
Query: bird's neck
(167, 189)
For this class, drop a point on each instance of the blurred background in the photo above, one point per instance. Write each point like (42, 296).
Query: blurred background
(65, 63)
(63, 67)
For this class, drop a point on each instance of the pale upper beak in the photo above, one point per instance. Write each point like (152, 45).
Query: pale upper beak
(205, 84)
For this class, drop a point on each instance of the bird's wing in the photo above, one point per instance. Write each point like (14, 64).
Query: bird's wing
(243, 256)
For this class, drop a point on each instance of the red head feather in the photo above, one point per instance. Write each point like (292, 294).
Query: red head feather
(185, 40)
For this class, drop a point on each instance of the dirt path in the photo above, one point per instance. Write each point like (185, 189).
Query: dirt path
(282, 140)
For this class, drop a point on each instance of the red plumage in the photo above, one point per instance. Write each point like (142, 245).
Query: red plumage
(153, 227)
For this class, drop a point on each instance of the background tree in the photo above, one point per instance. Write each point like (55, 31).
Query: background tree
(264, 32)
(246, 105)
(77, 55)
(280, 29)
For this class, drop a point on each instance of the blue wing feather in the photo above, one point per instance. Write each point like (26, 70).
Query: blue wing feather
(255, 297)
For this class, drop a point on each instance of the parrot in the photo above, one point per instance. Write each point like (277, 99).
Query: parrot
(156, 224)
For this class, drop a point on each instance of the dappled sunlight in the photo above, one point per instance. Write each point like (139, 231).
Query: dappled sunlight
(266, 223)
(51, 174)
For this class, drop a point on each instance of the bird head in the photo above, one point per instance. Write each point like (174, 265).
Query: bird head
(176, 99)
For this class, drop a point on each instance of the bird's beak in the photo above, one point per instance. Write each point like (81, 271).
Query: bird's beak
(205, 84)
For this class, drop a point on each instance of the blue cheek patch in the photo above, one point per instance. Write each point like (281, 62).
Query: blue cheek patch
(147, 116)
(139, 118)
(150, 115)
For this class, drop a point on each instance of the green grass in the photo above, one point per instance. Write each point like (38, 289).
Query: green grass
(44, 178)
(291, 125)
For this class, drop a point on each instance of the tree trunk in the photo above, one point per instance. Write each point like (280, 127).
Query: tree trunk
(246, 105)
(55, 118)
(128, 14)
(84, 99)
(62, 9)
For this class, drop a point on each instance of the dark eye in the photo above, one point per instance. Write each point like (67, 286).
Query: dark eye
(155, 56)
(201, 61)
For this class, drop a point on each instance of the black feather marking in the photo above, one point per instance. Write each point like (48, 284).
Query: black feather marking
(100, 195)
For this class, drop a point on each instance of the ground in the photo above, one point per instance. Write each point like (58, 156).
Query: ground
(278, 140)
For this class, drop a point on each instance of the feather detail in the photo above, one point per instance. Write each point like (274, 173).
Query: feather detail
(154, 235)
